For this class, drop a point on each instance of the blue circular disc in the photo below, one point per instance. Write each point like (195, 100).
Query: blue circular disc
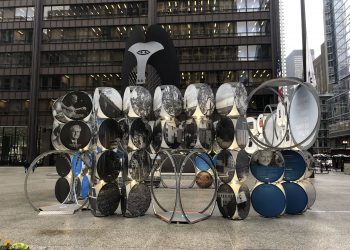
(295, 165)
(296, 198)
(85, 187)
(201, 164)
(268, 200)
(266, 174)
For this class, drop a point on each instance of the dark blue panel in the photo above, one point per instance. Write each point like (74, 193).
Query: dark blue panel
(266, 174)
(295, 165)
(268, 200)
(202, 164)
(85, 187)
(296, 198)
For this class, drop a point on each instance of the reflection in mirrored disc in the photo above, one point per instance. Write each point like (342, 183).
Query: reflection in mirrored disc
(109, 102)
(267, 166)
(157, 135)
(310, 191)
(269, 200)
(140, 133)
(225, 132)
(76, 105)
(310, 163)
(139, 200)
(108, 166)
(296, 198)
(243, 201)
(241, 131)
(140, 165)
(108, 199)
(206, 133)
(190, 133)
(226, 200)
(55, 136)
(295, 165)
(204, 179)
(225, 166)
(62, 189)
(252, 126)
(63, 164)
(231, 99)
(124, 127)
(304, 116)
(199, 97)
(202, 162)
(172, 134)
(242, 165)
(75, 135)
(110, 134)
(167, 101)
(137, 102)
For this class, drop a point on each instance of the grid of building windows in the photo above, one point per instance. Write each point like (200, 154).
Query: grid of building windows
(82, 47)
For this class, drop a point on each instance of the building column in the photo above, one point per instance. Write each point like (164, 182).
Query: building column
(152, 12)
(32, 143)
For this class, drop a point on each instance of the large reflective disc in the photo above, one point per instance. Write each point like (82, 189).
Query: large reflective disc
(157, 135)
(140, 165)
(190, 133)
(141, 133)
(110, 134)
(75, 135)
(110, 102)
(77, 105)
(295, 165)
(225, 166)
(172, 134)
(206, 133)
(109, 164)
(242, 165)
(108, 199)
(241, 131)
(141, 101)
(206, 99)
(63, 164)
(226, 200)
(225, 132)
(139, 199)
(296, 198)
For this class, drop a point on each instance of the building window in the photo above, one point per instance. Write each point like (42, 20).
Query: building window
(16, 14)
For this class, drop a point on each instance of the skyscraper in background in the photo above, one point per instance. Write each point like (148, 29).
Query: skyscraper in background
(337, 26)
(64, 45)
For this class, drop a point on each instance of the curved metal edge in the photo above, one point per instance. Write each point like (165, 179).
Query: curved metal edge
(32, 167)
(211, 165)
(154, 168)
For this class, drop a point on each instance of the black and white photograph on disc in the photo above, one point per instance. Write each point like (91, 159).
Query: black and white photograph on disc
(206, 99)
(231, 99)
(75, 135)
(157, 135)
(190, 133)
(57, 111)
(225, 132)
(140, 165)
(242, 165)
(206, 133)
(140, 133)
(167, 101)
(172, 134)
(226, 200)
(225, 166)
(141, 101)
(267, 165)
(110, 134)
(241, 131)
(77, 105)
(108, 199)
(108, 166)
(110, 102)
(138, 200)
(63, 164)
(243, 201)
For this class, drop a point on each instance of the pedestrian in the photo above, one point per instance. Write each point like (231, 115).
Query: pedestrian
(26, 166)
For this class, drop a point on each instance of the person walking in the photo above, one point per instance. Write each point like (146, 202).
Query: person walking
(26, 166)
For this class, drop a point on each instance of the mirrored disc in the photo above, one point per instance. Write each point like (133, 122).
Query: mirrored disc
(202, 162)
(226, 200)
(190, 133)
(57, 111)
(108, 166)
(243, 201)
(63, 164)
(76, 105)
(206, 133)
(225, 166)
(241, 131)
(157, 135)
(167, 101)
(75, 135)
(242, 165)
(124, 127)
(141, 133)
(62, 189)
(231, 99)
(108, 199)
(225, 132)
(206, 99)
(110, 102)
(139, 200)
(140, 165)
(110, 134)
(172, 134)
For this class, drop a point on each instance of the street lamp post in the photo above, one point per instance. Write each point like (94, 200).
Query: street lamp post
(345, 143)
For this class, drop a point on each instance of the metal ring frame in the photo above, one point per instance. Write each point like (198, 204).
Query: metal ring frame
(285, 82)
(178, 175)
(33, 166)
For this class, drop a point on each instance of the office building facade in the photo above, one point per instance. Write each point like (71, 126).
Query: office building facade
(337, 27)
(50, 47)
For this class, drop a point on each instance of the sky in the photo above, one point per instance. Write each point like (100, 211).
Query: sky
(314, 25)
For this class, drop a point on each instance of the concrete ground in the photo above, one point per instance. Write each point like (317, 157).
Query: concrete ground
(326, 226)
